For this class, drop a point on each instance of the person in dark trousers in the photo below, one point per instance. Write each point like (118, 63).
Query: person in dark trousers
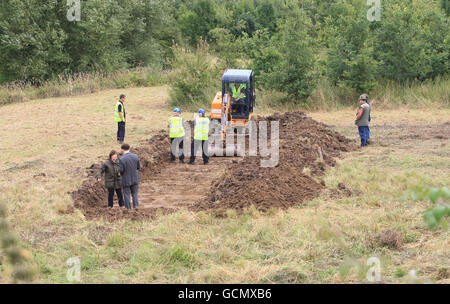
(362, 120)
(201, 131)
(176, 134)
(120, 117)
(129, 167)
(113, 179)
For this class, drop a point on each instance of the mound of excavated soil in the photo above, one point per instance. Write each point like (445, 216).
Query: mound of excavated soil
(304, 144)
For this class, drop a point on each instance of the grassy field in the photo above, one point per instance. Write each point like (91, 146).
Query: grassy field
(48, 144)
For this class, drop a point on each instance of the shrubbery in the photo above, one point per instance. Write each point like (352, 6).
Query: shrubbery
(196, 77)
(292, 45)
(16, 260)
(436, 216)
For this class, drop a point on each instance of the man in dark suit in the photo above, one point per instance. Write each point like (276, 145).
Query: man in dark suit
(129, 166)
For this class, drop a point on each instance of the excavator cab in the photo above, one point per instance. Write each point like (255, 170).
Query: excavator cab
(232, 115)
(235, 112)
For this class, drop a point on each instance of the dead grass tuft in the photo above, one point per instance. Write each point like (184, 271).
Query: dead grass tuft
(390, 238)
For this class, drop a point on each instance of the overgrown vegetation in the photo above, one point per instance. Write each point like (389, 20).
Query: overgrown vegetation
(78, 84)
(16, 259)
(435, 216)
(293, 46)
(196, 78)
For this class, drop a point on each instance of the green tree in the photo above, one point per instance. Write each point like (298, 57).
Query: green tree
(196, 23)
(196, 78)
(228, 47)
(350, 53)
(32, 40)
(17, 258)
(94, 44)
(149, 30)
(266, 17)
(412, 41)
(264, 56)
(445, 5)
(295, 74)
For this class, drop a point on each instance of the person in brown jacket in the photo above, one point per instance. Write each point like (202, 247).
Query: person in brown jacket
(113, 179)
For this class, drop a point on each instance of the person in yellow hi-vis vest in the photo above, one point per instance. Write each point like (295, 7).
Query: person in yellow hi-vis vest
(201, 131)
(238, 97)
(238, 91)
(120, 118)
(176, 134)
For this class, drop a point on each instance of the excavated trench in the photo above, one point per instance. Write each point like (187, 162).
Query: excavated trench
(226, 182)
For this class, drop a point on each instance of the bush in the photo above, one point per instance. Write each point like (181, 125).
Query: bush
(196, 77)
(412, 41)
(437, 215)
(350, 55)
(19, 260)
(295, 75)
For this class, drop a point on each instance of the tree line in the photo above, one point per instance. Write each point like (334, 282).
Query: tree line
(291, 44)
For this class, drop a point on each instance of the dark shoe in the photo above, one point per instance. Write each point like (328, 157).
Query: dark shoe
(172, 161)
(190, 163)
(181, 161)
(205, 163)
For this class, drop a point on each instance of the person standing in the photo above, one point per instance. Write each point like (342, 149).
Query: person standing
(176, 134)
(129, 167)
(113, 179)
(370, 118)
(120, 117)
(201, 131)
(362, 120)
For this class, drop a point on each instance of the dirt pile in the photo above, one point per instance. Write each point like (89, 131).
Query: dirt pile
(306, 148)
(91, 197)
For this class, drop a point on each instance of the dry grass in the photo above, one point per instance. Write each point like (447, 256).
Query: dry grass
(327, 240)
(79, 84)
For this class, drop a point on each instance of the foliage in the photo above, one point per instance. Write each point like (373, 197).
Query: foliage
(197, 23)
(350, 55)
(228, 47)
(264, 56)
(196, 78)
(39, 43)
(17, 257)
(295, 73)
(412, 41)
(290, 44)
(434, 216)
